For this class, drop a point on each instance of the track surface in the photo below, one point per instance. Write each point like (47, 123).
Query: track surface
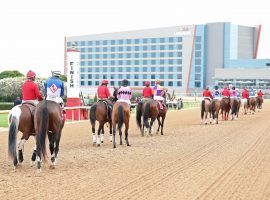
(230, 160)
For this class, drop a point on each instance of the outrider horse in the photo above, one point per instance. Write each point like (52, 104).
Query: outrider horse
(48, 121)
(148, 109)
(205, 109)
(100, 111)
(20, 119)
(225, 108)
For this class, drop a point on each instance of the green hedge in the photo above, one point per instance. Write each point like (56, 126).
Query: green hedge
(6, 105)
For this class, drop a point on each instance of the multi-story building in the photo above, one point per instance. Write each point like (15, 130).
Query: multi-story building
(184, 58)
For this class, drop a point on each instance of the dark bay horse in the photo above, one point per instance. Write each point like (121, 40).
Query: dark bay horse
(215, 108)
(20, 119)
(225, 108)
(234, 104)
(48, 121)
(148, 109)
(99, 112)
(162, 113)
(259, 103)
(205, 109)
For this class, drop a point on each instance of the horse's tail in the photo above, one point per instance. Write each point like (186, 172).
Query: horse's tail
(120, 116)
(14, 119)
(146, 114)
(42, 130)
(234, 106)
(92, 113)
(139, 114)
(213, 109)
(202, 108)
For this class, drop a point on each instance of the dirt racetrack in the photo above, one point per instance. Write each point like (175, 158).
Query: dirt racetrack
(230, 160)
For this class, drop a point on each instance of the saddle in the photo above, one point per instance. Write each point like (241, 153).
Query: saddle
(108, 107)
(31, 106)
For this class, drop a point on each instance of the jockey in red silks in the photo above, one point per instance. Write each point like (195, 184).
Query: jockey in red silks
(226, 92)
(207, 94)
(103, 94)
(30, 91)
(245, 94)
(147, 91)
(260, 94)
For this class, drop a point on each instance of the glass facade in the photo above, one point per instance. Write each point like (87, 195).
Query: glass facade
(135, 59)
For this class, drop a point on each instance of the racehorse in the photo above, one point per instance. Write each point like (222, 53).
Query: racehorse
(225, 108)
(99, 112)
(234, 107)
(259, 103)
(252, 104)
(120, 116)
(238, 107)
(20, 119)
(205, 109)
(245, 105)
(48, 121)
(149, 109)
(162, 113)
(215, 108)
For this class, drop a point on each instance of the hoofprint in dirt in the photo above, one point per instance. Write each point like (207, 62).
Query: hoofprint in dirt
(228, 160)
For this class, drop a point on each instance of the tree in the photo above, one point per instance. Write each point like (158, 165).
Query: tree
(63, 78)
(10, 74)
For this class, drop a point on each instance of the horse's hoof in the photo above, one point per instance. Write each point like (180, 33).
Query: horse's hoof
(101, 141)
(52, 166)
(114, 147)
(98, 145)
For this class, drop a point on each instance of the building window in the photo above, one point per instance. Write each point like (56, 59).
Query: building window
(197, 76)
(136, 62)
(120, 76)
(145, 48)
(161, 69)
(170, 83)
(104, 76)
(179, 54)
(112, 83)
(89, 76)
(153, 69)
(136, 83)
(145, 55)
(120, 41)
(170, 69)
(97, 76)
(89, 69)
(112, 55)
(136, 76)
(97, 63)
(198, 39)
(136, 69)
(104, 62)
(112, 42)
(179, 39)
(179, 69)
(162, 62)
(171, 39)
(144, 76)
(128, 55)
(153, 62)
(197, 84)
(89, 82)
(128, 76)
(112, 76)
(105, 69)
(137, 55)
(89, 43)
(128, 62)
(153, 76)
(129, 41)
(170, 54)
(170, 76)
(162, 54)
(137, 41)
(144, 69)
(170, 61)
(144, 62)
(97, 83)
(197, 53)
(128, 69)
(97, 42)
(82, 76)
(197, 61)
(179, 46)
(198, 69)
(120, 62)
(153, 47)
(120, 48)
(179, 61)
(179, 83)
(97, 69)
(162, 40)
(170, 47)
(179, 76)
(82, 82)
(197, 46)
(97, 56)
(120, 69)
(162, 47)
(112, 69)
(161, 76)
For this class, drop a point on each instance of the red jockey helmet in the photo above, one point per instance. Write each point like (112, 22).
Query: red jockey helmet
(147, 83)
(105, 82)
(30, 74)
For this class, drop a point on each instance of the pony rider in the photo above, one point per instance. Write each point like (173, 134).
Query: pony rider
(104, 95)
(124, 93)
(225, 92)
(207, 94)
(30, 91)
(157, 89)
(147, 91)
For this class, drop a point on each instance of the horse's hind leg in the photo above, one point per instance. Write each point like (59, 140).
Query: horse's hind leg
(162, 124)
(114, 131)
(94, 134)
(52, 140)
(126, 133)
(101, 125)
(110, 131)
(151, 126)
(56, 150)
(21, 147)
(159, 124)
(120, 134)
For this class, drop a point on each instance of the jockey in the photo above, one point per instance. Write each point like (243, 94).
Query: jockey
(251, 93)
(104, 94)
(147, 91)
(260, 94)
(233, 93)
(30, 91)
(124, 93)
(207, 94)
(54, 88)
(216, 93)
(157, 89)
(226, 92)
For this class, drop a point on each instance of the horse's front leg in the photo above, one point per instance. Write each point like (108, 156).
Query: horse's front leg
(94, 137)
(126, 133)
(110, 131)
(114, 131)
(151, 126)
(120, 135)
(98, 136)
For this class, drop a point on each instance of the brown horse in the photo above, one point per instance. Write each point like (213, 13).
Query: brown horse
(20, 119)
(205, 109)
(148, 110)
(161, 118)
(259, 103)
(120, 116)
(100, 112)
(225, 108)
(48, 121)
(252, 104)
(215, 108)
